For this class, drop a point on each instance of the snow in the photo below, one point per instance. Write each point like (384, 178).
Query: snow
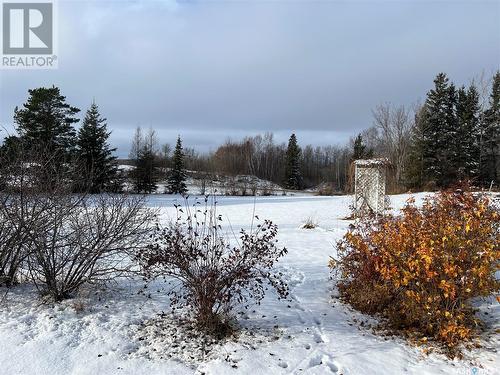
(99, 332)
(371, 162)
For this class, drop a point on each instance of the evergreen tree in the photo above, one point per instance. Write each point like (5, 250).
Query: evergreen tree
(450, 138)
(95, 154)
(467, 140)
(145, 176)
(439, 133)
(177, 175)
(46, 121)
(360, 150)
(293, 177)
(490, 145)
(462, 120)
(414, 165)
(10, 148)
(145, 173)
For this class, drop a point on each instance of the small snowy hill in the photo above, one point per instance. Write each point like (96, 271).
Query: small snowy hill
(200, 183)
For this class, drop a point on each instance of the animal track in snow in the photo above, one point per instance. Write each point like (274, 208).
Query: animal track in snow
(318, 339)
(283, 364)
(323, 360)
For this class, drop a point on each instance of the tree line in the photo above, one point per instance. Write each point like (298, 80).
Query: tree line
(452, 136)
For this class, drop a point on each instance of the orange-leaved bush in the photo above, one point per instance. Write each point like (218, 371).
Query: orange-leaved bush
(421, 269)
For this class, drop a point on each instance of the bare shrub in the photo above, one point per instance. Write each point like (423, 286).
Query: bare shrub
(213, 276)
(85, 239)
(267, 190)
(63, 240)
(327, 189)
(202, 183)
(244, 190)
(253, 188)
(309, 223)
(21, 173)
(13, 247)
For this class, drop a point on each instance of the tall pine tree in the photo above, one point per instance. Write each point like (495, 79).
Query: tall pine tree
(293, 177)
(468, 134)
(95, 155)
(439, 133)
(490, 145)
(177, 175)
(46, 121)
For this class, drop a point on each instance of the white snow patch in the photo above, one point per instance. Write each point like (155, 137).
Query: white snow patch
(311, 334)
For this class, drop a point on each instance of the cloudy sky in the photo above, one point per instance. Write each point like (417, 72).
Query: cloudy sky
(212, 70)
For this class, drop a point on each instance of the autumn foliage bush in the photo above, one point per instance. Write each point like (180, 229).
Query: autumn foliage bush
(420, 270)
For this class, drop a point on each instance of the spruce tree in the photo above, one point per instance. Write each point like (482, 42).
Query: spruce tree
(177, 175)
(450, 138)
(490, 145)
(439, 133)
(293, 178)
(46, 121)
(360, 151)
(467, 140)
(10, 147)
(94, 153)
(145, 174)
(462, 120)
(414, 165)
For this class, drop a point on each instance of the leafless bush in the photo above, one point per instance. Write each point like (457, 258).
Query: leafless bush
(327, 189)
(20, 176)
(13, 249)
(231, 187)
(202, 183)
(253, 188)
(244, 189)
(85, 239)
(212, 277)
(63, 240)
(309, 223)
(267, 190)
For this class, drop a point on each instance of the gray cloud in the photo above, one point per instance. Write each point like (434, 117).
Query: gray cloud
(211, 70)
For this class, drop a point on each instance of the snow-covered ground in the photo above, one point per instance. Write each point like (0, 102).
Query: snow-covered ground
(102, 332)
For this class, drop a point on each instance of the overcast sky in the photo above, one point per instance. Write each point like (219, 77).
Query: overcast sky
(209, 70)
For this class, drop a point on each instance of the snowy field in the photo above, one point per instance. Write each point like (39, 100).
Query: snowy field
(100, 331)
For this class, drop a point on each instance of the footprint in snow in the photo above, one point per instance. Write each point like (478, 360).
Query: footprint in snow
(283, 364)
(318, 339)
(323, 360)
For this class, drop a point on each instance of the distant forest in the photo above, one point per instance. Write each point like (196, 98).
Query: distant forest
(453, 136)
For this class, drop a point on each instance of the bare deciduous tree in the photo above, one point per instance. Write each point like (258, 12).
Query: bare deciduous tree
(394, 124)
